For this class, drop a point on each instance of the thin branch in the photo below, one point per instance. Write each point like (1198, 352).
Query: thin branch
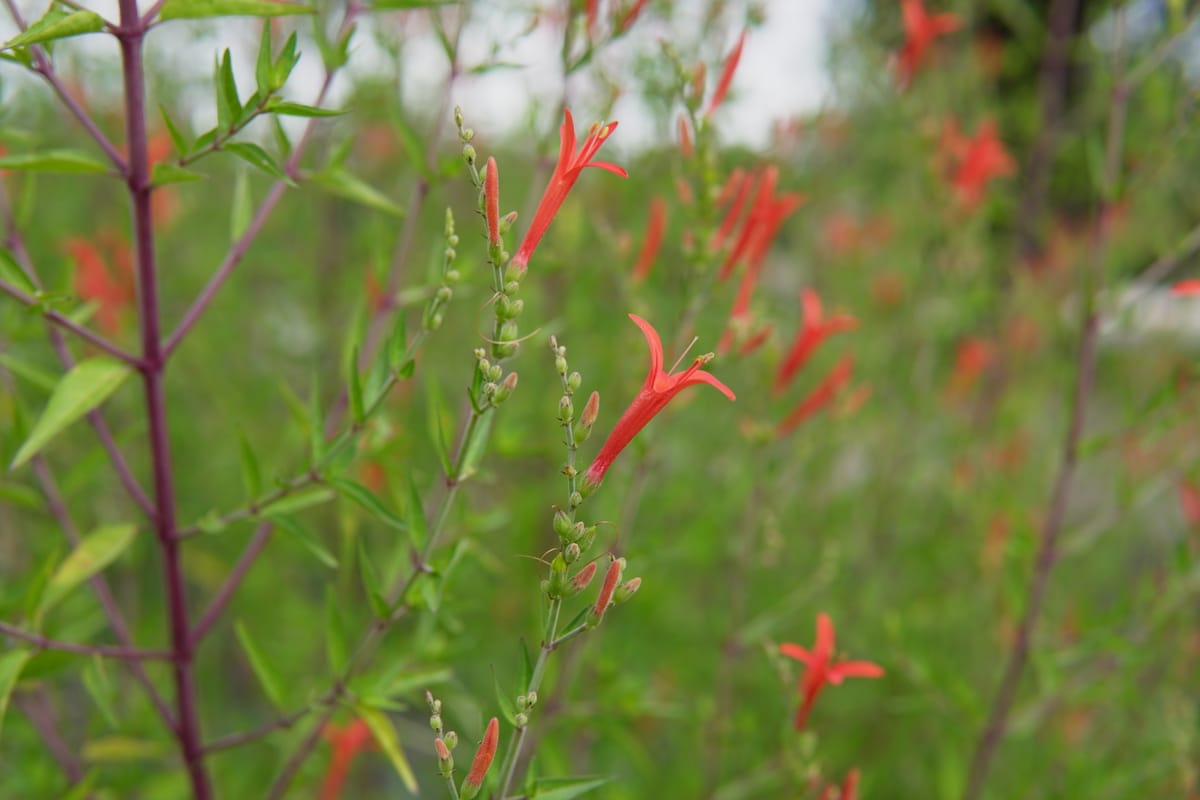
(256, 506)
(67, 324)
(236, 576)
(42, 65)
(45, 643)
(233, 740)
(35, 703)
(116, 620)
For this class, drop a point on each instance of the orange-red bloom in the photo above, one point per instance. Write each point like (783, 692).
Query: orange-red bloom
(848, 790)
(631, 15)
(656, 392)
(491, 201)
(566, 172)
(483, 759)
(920, 29)
(654, 236)
(731, 64)
(94, 281)
(979, 159)
(814, 330)
(347, 743)
(1187, 288)
(838, 377)
(821, 668)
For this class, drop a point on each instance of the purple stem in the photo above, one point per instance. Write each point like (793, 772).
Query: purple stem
(131, 36)
(261, 536)
(36, 705)
(63, 322)
(125, 653)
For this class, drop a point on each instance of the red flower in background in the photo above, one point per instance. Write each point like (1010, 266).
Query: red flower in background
(113, 292)
(1187, 288)
(976, 161)
(653, 241)
(1189, 503)
(821, 669)
(920, 30)
(814, 330)
(974, 356)
(723, 83)
(347, 743)
(848, 790)
(838, 377)
(660, 386)
(566, 172)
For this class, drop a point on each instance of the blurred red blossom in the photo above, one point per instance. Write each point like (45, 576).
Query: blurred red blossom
(847, 791)
(347, 743)
(111, 290)
(727, 72)
(820, 397)
(814, 329)
(821, 669)
(658, 389)
(920, 30)
(653, 241)
(974, 161)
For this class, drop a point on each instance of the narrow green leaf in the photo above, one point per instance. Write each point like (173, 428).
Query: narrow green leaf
(87, 385)
(256, 157)
(37, 585)
(177, 137)
(240, 208)
(354, 388)
(415, 514)
(262, 669)
(251, 474)
(11, 272)
(385, 734)
(228, 107)
(370, 582)
(367, 499)
(195, 9)
(95, 552)
(476, 445)
(83, 789)
(11, 664)
(67, 162)
(316, 427)
(57, 23)
(565, 788)
(437, 434)
(341, 183)
(165, 172)
(289, 109)
(508, 707)
(306, 538)
(100, 689)
(281, 138)
(262, 65)
(288, 58)
(412, 145)
(526, 664)
(35, 375)
(299, 500)
(337, 648)
(122, 749)
(23, 496)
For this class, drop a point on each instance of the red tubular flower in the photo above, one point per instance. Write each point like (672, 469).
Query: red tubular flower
(347, 743)
(761, 225)
(731, 64)
(814, 330)
(984, 158)
(631, 15)
(920, 29)
(1187, 288)
(608, 587)
(737, 189)
(821, 668)
(685, 138)
(483, 760)
(654, 235)
(656, 392)
(491, 201)
(95, 282)
(838, 377)
(566, 172)
(593, 11)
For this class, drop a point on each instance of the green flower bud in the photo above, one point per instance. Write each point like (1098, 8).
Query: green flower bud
(469, 153)
(571, 553)
(626, 590)
(521, 719)
(451, 740)
(566, 409)
(562, 523)
(573, 381)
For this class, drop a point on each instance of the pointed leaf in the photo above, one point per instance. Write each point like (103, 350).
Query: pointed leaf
(262, 669)
(370, 582)
(337, 648)
(177, 137)
(165, 172)
(262, 65)
(367, 499)
(343, 184)
(289, 109)
(11, 272)
(58, 23)
(306, 538)
(11, 664)
(299, 500)
(255, 156)
(508, 706)
(43, 380)
(228, 107)
(415, 515)
(251, 475)
(95, 552)
(354, 388)
(67, 162)
(195, 9)
(565, 788)
(385, 734)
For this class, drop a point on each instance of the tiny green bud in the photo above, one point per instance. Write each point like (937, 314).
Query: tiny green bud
(565, 408)
(453, 240)
(560, 365)
(480, 353)
(468, 134)
(451, 740)
(573, 381)
(511, 288)
(435, 722)
(578, 530)
(509, 331)
(574, 501)
(469, 153)
(458, 116)
(522, 703)
(531, 698)
(506, 222)
(435, 321)
(484, 364)
(495, 373)
(571, 553)
(452, 277)
(444, 294)
(506, 388)
(562, 523)
(521, 719)
(626, 590)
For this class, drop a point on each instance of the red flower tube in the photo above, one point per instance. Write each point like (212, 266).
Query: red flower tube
(491, 201)
(654, 236)
(731, 64)
(821, 668)
(656, 392)
(920, 29)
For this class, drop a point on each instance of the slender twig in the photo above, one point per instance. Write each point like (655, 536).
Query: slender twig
(116, 620)
(257, 542)
(232, 740)
(35, 703)
(67, 324)
(16, 243)
(256, 506)
(131, 38)
(1085, 375)
(42, 65)
(45, 643)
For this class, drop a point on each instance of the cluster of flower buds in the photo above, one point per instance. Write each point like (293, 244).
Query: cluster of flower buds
(431, 320)
(444, 742)
(525, 704)
(612, 592)
(490, 386)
